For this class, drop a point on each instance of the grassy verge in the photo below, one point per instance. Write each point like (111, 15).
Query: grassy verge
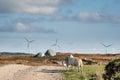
(90, 72)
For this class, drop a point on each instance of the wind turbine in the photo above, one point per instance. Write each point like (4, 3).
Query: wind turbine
(28, 43)
(56, 44)
(106, 46)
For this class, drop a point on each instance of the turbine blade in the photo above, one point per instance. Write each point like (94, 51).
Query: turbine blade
(104, 45)
(26, 39)
(31, 41)
(109, 45)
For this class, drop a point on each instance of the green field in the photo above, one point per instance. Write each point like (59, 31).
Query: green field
(90, 72)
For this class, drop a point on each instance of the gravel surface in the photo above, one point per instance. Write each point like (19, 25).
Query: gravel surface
(22, 72)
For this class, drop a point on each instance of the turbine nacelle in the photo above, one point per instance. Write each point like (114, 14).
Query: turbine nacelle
(28, 43)
(106, 46)
(56, 44)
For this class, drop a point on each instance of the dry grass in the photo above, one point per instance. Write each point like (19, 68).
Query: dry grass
(31, 60)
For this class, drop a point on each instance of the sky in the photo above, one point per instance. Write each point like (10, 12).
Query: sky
(79, 26)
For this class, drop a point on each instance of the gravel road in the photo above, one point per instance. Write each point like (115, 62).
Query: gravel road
(22, 72)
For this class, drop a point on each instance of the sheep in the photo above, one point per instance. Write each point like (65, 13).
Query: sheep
(71, 61)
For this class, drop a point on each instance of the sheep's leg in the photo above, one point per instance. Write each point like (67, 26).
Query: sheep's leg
(78, 68)
(73, 67)
(67, 67)
(81, 68)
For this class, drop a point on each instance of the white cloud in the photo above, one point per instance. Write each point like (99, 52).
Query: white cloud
(21, 27)
(44, 7)
(97, 18)
(116, 19)
(85, 16)
(58, 18)
(41, 10)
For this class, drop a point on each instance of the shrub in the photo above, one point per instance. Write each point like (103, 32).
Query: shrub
(116, 76)
(112, 69)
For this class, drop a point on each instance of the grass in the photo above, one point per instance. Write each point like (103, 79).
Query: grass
(1, 65)
(90, 72)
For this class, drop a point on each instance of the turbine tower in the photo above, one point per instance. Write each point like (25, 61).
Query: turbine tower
(106, 46)
(28, 43)
(56, 44)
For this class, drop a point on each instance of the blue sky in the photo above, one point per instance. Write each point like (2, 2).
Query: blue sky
(78, 25)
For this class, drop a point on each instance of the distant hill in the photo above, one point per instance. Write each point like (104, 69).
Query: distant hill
(14, 53)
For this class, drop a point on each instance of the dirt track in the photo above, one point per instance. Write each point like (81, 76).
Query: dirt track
(22, 72)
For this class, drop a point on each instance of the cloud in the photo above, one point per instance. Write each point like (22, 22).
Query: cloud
(58, 18)
(45, 7)
(97, 18)
(86, 17)
(21, 27)
(27, 19)
(83, 17)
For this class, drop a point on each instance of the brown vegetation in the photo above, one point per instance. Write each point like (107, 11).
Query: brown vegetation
(100, 59)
